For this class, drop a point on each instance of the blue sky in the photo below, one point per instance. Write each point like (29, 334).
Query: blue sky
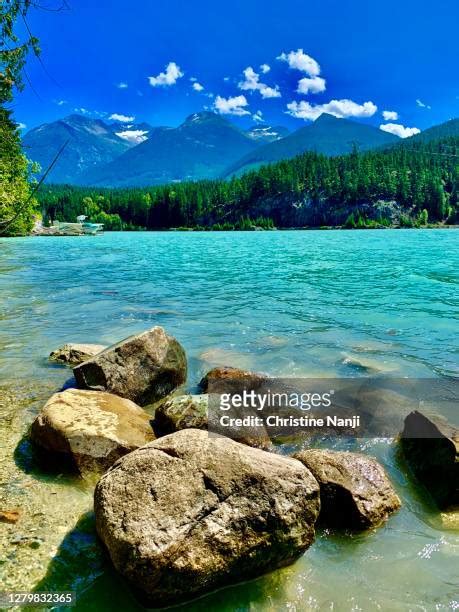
(354, 58)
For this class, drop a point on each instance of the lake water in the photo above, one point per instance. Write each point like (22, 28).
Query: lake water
(312, 303)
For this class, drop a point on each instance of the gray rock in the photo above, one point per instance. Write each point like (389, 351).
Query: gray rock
(90, 430)
(181, 412)
(354, 489)
(74, 354)
(191, 412)
(190, 513)
(142, 368)
(431, 447)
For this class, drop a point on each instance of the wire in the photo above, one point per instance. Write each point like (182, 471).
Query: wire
(35, 52)
(63, 7)
(431, 153)
(26, 75)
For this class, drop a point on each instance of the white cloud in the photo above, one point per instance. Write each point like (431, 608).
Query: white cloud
(22, 126)
(122, 85)
(390, 115)
(226, 79)
(197, 86)
(399, 130)
(337, 108)
(231, 106)
(311, 85)
(270, 92)
(252, 83)
(258, 117)
(134, 136)
(193, 79)
(167, 78)
(422, 104)
(121, 118)
(299, 60)
(61, 102)
(265, 68)
(85, 111)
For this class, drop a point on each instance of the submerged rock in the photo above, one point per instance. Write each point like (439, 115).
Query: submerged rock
(90, 430)
(226, 374)
(190, 513)
(142, 368)
(431, 447)
(367, 365)
(354, 489)
(219, 357)
(74, 354)
(191, 412)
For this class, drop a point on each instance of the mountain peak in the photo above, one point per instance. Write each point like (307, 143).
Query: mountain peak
(90, 142)
(200, 148)
(203, 117)
(327, 135)
(75, 119)
(327, 118)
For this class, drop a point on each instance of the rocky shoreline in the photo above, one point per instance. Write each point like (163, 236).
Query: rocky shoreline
(54, 232)
(182, 512)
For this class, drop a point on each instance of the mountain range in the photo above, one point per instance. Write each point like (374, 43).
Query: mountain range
(327, 135)
(201, 148)
(91, 142)
(204, 146)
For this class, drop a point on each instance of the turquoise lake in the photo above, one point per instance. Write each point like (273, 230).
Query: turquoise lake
(289, 303)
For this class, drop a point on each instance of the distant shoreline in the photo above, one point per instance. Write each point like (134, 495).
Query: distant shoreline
(274, 229)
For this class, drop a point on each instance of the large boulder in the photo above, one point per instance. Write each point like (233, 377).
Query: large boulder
(191, 512)
(89, 430)
(354, 490)
(431, 447)
(191, 412)
(74, 354)
(142, 368)
(228, 375)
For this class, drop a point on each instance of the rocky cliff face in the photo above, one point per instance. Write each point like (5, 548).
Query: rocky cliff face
(296, 210)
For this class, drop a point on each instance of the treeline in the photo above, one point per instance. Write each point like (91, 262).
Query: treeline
(406, 184)
(17, 204)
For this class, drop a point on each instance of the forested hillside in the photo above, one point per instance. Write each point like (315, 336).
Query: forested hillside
(327, 135)
(403, 185)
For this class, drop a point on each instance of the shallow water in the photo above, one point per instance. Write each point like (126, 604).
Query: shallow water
(330, 303)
